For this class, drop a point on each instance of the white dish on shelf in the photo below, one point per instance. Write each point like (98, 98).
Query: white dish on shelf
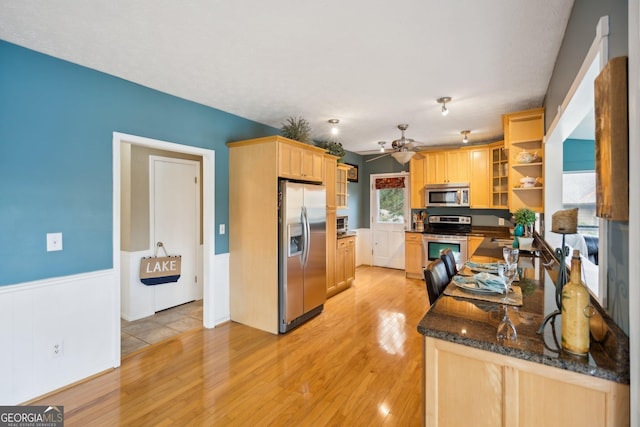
(528, 182)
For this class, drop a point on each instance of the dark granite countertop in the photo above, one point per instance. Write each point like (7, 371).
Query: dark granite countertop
(484, 231)
(474, 323)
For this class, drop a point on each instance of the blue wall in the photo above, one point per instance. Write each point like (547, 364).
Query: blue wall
(578, 155)
(355, 191)
(56, 122)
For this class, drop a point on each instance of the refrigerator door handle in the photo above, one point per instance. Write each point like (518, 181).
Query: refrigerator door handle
(306, 235)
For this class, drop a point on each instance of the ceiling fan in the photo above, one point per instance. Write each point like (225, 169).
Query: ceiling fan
(403, 149)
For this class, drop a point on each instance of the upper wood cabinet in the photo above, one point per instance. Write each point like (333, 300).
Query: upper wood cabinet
(524, 131)
(612, 141)
(341, 185)
(449, 166)
(479, 178)
(300, 161)
(417, 180)
(499, 176)
(330, 164)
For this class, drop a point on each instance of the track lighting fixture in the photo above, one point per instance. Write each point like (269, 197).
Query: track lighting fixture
(334, 126)
(465, 134)
(381, 144)
(443, 100)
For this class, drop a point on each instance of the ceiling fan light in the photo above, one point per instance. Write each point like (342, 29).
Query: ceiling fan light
(403, 156)
(445, 110)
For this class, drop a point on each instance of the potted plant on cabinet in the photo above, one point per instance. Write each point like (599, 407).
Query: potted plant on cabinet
(297, 129)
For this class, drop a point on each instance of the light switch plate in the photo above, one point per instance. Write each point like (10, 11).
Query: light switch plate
(222, 229)
(54, 242)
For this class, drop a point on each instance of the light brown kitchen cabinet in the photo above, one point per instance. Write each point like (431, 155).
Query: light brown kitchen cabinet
(524, 131)
(330, 186)
(457, 166)
(330, 174)
(417, 180)
(448, 166)
(431, 161)
(505, 391)
(612, 141)
(499, 176)
(341, 185)
(479, 177)
(345, 263)
(298, 161)
(254, 168)
(473, 243)
(413, 255)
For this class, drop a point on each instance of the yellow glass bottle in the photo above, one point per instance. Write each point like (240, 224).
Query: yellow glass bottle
(575, 302)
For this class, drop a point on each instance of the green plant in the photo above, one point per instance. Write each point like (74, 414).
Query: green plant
(297, 129)
(332, 147)
(525, 216)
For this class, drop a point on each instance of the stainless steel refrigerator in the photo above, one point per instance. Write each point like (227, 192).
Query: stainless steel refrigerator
(302, 254)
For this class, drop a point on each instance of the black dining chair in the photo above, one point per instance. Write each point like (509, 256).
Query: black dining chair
(436, 279)
(449, 262)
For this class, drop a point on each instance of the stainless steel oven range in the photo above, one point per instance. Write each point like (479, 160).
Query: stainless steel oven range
(446, 231)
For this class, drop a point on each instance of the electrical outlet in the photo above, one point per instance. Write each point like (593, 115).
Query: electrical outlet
(57, 349)
(500, 221)
(222, 229)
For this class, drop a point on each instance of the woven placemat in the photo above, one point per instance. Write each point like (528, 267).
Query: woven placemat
(514, 298)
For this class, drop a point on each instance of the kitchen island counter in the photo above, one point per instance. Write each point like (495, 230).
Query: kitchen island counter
(461, 347)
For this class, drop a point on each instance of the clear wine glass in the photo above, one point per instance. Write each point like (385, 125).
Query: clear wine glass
(506, 328)
(510, 255)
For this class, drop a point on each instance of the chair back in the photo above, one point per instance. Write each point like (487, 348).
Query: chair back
(436, 279)
(449, 262)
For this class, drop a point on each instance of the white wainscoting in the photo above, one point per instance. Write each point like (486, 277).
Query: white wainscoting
(136, 299)
(364, 254)
(220, 306)
(82, 313)
(78, 312)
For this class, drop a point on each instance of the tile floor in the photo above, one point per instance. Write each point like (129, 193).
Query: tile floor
(162, 325)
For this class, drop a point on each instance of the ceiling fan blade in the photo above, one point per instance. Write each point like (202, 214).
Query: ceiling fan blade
(376, 158)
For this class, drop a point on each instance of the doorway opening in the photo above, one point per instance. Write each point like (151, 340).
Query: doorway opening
(125, 263)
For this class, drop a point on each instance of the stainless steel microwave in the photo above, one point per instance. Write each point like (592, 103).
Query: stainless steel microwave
(342, 224)
(447, 195)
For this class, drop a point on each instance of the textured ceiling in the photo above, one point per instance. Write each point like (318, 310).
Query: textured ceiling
(371, 64)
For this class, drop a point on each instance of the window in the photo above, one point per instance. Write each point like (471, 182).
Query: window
(390, 194)
(579, 191)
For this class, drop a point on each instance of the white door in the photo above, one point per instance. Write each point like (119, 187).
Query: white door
(390, 215)
(174, 207)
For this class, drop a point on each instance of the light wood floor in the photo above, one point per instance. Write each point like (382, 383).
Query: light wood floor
(356, 364)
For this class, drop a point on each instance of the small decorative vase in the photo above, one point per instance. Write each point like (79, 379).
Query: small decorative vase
(518, 231)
